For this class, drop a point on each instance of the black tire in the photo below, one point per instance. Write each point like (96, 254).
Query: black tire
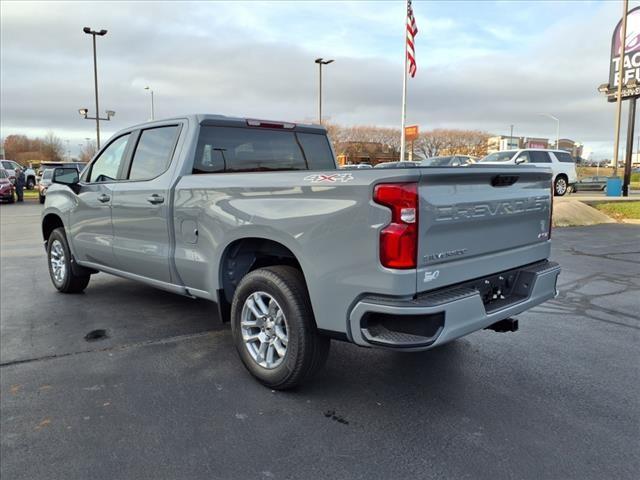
(560, 186)
(12, 198)
(306, 350)
(68, 282)
(41, 198)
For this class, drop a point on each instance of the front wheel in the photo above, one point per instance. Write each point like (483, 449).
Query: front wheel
(60, 269)
(274, 330)
(560, 186)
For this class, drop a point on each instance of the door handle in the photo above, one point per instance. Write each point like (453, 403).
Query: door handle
(155, 199)
(104, 198)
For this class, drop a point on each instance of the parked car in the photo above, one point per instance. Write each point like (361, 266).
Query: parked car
(355, 166)
(590, 184)
(449, 161)
(44, 165)
(405, 164)
(255, 216)
(44, 184)
(29, 173)
(561, 163)
(7, 190)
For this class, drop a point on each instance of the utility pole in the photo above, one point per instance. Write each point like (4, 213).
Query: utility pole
(510, 138)
(152, 108)
(320, 63)
(623, 48)
(95, 33)
(629, 156)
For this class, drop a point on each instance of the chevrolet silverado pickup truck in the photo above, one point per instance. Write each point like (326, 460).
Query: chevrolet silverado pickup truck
(255, 216)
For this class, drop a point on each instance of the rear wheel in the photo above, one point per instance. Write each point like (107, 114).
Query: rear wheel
(274, 330)
(60, 268)
(12, 197)
(560, 186)
(42, 198)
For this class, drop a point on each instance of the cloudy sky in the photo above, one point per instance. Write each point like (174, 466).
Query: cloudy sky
(481, 65)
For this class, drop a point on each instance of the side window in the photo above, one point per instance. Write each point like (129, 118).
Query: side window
(154, 152)
(317, 151)
(564, 157)
(539, 157)
(107, 165)
(235, 149)
(523, 157)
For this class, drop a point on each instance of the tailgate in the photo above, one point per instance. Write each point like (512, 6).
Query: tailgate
(479, 220)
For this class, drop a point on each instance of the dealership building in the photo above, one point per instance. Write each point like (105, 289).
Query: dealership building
(505, 142)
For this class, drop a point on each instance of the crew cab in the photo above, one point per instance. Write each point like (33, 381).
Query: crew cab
(255, 215)
(561, 163)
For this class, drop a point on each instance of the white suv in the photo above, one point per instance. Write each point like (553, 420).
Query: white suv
(560, 162)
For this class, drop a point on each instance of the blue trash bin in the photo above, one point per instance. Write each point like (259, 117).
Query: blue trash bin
(614, 187)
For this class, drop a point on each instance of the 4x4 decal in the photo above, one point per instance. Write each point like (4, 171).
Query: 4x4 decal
(329, 178)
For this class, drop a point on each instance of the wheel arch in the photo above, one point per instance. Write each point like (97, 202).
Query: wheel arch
(244, 255)
(50, 222)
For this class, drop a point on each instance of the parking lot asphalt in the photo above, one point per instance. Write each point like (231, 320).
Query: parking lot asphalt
(164, 396)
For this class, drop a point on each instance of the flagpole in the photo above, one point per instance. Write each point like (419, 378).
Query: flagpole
(404, 87)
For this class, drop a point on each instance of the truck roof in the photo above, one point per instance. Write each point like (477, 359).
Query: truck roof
(224, 120)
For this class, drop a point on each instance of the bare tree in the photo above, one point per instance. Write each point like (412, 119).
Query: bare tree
(52, 148)
(88, 151)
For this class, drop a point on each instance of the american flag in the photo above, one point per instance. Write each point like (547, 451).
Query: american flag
(412, 31)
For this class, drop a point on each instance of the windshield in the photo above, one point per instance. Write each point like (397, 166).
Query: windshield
(48, 173)
(498, 157)
(437, 161)
(3, 174)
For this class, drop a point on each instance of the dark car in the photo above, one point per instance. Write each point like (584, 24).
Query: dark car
(591, 184)
(7, 190)
(398, 164)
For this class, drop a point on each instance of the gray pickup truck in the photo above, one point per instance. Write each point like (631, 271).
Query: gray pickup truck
(255, 216)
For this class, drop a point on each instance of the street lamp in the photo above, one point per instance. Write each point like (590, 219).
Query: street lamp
(557, 128)
(152, 111)
(84, 113)
(320, 63)
(93, 33)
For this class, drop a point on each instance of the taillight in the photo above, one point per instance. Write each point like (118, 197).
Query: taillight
(399, 239)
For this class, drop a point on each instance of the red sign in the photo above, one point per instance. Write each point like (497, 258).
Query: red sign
(411, 133)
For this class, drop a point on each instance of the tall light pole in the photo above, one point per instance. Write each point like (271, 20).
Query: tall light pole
(557, 128)
(93, 33)
(320, 63)
(152, 109)
(510, 138)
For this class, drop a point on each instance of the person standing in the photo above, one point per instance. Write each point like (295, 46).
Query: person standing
(20, 183)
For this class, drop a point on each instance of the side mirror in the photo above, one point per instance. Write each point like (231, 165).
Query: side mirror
(68, 176)
(520, 160)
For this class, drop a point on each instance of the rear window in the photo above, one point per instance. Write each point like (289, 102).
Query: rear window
(539, 157)
(234, 149)
(153, 153)
(564, 157)
(317, 151)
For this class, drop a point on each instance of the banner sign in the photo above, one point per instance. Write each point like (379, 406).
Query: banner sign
(630, 61)
(411, 133)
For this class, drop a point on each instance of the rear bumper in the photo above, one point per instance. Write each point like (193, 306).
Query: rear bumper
(441, 316)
